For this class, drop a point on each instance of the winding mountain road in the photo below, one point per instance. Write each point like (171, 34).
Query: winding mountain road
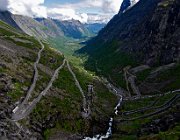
(26, 107)
(33, 85)
(54, 77)
(130, 79)
(26, 110)
(87, 110)
(140, 109)
(35, 78)
(150, 107)
(160, 109)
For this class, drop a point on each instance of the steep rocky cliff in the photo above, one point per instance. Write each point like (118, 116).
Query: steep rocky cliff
(149, 32)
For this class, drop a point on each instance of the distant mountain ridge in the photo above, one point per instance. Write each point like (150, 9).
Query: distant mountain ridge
(45, 28)
(73, 28)
(95, 27)
(34, 28)
(29, 26)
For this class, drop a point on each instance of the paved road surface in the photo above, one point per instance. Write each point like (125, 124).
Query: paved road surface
(150, 106)
(160, 109)
(35, 78)
(31, 89)
(87, 110)
(26, 110)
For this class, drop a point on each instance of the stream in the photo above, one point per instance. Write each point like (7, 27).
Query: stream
(109, 131)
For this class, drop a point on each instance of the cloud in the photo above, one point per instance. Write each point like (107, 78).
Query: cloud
(111, 6)
(108, 6)
(98, 18)
(67, 14)
(24, 7)
(104, 9)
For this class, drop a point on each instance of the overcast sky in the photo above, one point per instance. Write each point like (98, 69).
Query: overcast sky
(83, 10)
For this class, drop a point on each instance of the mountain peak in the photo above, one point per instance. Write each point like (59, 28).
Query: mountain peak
(126, 4)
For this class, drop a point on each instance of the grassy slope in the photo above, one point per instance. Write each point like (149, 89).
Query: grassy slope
(24, 64)
(64, 100)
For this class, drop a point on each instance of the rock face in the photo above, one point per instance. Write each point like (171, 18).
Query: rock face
(31, 26)
(160, 125)
(51, 25)
(149, 31)
(7, 17)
